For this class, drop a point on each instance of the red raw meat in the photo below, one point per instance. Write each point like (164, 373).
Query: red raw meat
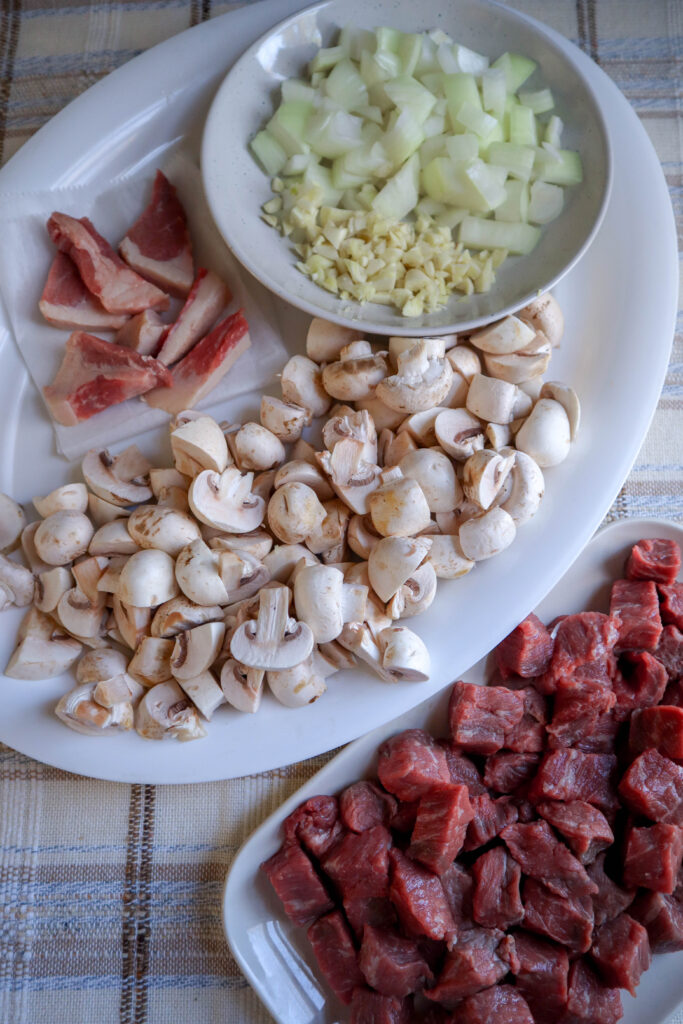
(457, 885)
(575, 775)
(669, 651)
(658, 560)
(526, 812)
(589, 1001)
(490, 818)
(392, 965)
(610, 899)
(526, 651)
(371, 1008)
(640, 682)
(315, 824)
(207, 299)
(501, 1003)
(506, 772)
(105, 275)
(653, 788)
(405, 816)
(662, 916)
(621, 950)
(343, 860)
(603, 737)
(364, 805)
(567, 921)
(204, 366)
(528, 736)
(671, 606)
(585, 828)
(480, 716)
(302, 893)
(158, 245)
(652, 857)
(496, 902)
(541, 855)
(411, 764)
(636, 604)
(579, 707)
(464, 772)
(66, 302)
(442, 819)
(473, 964)
(375, 910)
(660, 727)
(336, 954)
(673, 695)
(95, 374)
(542, 976)
(584, 645)
(142, 333)
(419, 899)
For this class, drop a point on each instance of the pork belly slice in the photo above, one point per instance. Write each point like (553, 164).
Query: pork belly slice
(158, 245)
(207, 299)
(95, 374)
(105, 275)
(66, 302)
(203, 366)
(142, 333)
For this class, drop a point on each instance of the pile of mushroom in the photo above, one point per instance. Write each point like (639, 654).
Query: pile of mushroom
(260, 558)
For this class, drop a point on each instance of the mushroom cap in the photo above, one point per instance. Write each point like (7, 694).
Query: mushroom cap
(103, 663)
(404, 655)
(283, 559)
(297, 686)
(294, 512)
(225, 501)
(518, 367)
(399, 509)
(420, 383)
(284, 419)
(121, 480)
(49, 587)
(416, 594)
(361, 537)
(165, 712)
(28, 546)
(487, 535)
(545, 314)
(350, 379)
(256, 543)
(421, 426)
(12, 522)
(318, 600)
(326, 340)
(112, 539)
(545, 434)
(394, 447)
(382, 416)
(297, 471)
(63, 536)
(197, 572)
(459, 433)
(242, 687)
(464, 361)
(257, 448)
(101, 511)
(132, 622)
(332, 531)
(167, 529)
(302, 384)
(507, 335)
(393, 560)
(483, 476)
(446, 555)
(434, 347)
(527, 489)
(79, 710)
(569, 401)
(491, 399)
(148, 579)
(203, 441)
(16, 582)
(78, 615)
(435, 474)
(195, 650)
(351, 476)
(72, 497)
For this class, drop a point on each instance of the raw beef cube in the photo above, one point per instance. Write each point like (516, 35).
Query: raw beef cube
(671, 606)
(442, 819)
(567, 774)
(405, 816)
(567, 921)
(673, 695)
(506, 772)
(204, 366)
(392, 965)
(640, 682)
(302, 893)
(105, 275)
(411, 764)
(464, 772)
(658, 560)
(636, 604)
(364, 805)
(496, 902)
(526, 651)
(588, 1000)
(500, 1003)
(372, 1008)
(66, 302)
(489, 820)
(480, 716)
(541, 855)
(315, 824)
(420, 899)
(653, 788)
(585, 828)
(584, 645)
(95, 374)
(457, 885)
(610, 899)
(653, 856)
(336, 954)
(669, 651)
(208, 298)
(621, 950)
(577, 709)
(662, 916)
(660, 727)
(158, 245)
(603, 737)
(542, 976)
(142, 333)
(342, 863)
(473, 964)
(375, 910)
(528, 736)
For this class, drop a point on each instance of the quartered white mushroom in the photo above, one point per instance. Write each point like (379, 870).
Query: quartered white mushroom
(382, 415)
(518, 367)
(521, 407)
(544, 314)
(283, 559)
(263, 484)
(435, 474)
(180, 613)
(447, 557)
(421, 381)
(101, 511)
(16, 584)
(393, 560)
(435, 348)
(242, 574)
(356, 373)
(491, 399)
(357, 638)
(298, 471)
(195, 650)
(545, 434)
(81, 712)
(464, 361)
(416, 595)
(459, 433)
(42, 649)
(204, 692)
(329, 538)
(122, 479)
(113, 539)
(197, 571)
(49, 587)
(28, 546)
(358, 426)
(508, 335)
(12, 522)
(108, 583)
(165, 712)
(199, 444)
(241, 686)
(399, 507)
(104, 663)
(297, 686)
(569, 401)
(487, 535)
(304, 452)
(361, 537)
(318, 591)
(421, 426)
(274, 640)
(79, 616)
(483, 476)
(151, 662)
(62, 537)
(527, 489)
(73, 497)
(132, 622)
(405, 657)
(87, 572)
(394, 447)
(225, 501)
(166, 529)
(325, 340)
(284, 419)
(148, 579)
(498, 435)
(255, 447)
(302, 384)
(294, 513)
(256, 543)
(375, 617)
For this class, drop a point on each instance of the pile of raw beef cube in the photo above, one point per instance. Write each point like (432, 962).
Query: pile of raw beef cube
(525, 868)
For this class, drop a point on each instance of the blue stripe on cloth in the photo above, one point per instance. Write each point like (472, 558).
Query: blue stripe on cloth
(74, 983)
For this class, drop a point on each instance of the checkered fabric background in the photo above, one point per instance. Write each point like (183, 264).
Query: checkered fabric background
(110, 894)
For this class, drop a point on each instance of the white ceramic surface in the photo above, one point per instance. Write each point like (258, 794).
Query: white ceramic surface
(276, 957)
(236, 187)
(615, 353)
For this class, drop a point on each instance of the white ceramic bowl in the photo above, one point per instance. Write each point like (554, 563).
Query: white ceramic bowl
(236, 186)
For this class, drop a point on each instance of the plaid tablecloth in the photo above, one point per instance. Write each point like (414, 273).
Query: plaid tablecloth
(110, 894)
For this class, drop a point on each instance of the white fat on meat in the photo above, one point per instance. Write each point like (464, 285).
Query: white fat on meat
(142, 333)
(207, 299)
(158, 245)
(66, 302)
